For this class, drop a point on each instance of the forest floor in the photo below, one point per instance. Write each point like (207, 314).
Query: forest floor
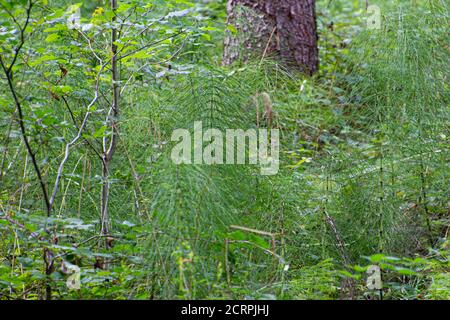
(361, 194)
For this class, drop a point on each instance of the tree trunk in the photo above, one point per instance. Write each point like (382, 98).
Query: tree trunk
(108, 152)
(284, 29)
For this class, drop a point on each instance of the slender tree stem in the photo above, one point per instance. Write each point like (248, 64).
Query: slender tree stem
(112, 118)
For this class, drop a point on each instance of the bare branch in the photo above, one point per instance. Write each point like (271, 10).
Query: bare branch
(77, 137)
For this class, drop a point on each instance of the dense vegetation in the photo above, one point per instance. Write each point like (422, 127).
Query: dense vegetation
(363, 178)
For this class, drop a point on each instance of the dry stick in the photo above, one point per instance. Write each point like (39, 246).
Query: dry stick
(280, 259)
(264, 233)
(267, 45)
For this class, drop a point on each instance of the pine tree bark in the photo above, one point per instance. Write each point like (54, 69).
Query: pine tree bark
(283, 29)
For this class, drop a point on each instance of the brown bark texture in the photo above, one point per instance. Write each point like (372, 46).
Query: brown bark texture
(281, 29)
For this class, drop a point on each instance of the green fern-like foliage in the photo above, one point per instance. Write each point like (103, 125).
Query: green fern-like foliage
(193, 203)
(385, 192)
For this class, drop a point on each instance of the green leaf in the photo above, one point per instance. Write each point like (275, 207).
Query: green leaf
(237, 235)
(52, 37)
(100, 132)
(232, 29)
(404, 271)
(377, 257)
(259, 241)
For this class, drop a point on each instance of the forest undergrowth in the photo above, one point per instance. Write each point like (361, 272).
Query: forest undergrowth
(363, 176)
